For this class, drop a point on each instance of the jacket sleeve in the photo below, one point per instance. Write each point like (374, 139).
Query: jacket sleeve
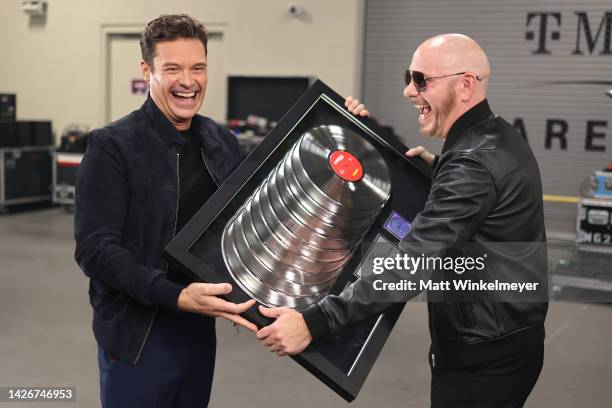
(462, 195)
(101, 205)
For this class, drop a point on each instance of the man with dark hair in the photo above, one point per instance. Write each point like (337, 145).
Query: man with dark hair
(142, 178)
(168, 28)
(487, 349)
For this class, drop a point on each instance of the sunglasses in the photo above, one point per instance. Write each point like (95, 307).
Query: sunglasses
(420, 80)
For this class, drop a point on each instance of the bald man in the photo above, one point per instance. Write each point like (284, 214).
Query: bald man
(487, 349)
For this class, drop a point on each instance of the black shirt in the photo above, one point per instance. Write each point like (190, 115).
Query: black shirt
(196, 185)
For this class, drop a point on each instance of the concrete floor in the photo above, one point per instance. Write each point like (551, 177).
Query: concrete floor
(46, 339)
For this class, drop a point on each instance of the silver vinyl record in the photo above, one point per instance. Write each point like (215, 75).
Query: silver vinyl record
(291, 238)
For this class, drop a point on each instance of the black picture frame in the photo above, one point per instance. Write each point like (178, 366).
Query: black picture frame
(343, 361)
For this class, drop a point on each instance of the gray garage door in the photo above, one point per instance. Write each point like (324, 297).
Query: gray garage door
(551, 65)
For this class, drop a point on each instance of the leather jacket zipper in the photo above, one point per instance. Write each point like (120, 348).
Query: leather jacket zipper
(433, 360)
(178, 195)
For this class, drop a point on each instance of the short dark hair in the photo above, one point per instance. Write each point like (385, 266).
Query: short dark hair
(169, 27)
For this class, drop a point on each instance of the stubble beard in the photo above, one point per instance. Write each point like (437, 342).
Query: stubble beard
(440, 115)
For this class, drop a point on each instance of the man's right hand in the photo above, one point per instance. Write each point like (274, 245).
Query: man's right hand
(203, 298)
(358, 109)
(355, 107)
(422, 153)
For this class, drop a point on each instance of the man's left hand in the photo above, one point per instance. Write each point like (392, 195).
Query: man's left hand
(288, 334)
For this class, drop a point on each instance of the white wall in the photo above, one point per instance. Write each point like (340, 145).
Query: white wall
(55, 68)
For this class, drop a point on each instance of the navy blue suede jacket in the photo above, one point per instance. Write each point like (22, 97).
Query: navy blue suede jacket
(125, 214)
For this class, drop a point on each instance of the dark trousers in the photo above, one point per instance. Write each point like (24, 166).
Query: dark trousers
(501, 383)
(175, 368)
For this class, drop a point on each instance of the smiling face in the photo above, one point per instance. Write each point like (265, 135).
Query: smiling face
(177, 79)
(437, 104)
(436, 108)
(444, 100)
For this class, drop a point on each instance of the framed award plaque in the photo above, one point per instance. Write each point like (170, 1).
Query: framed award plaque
(300, 215)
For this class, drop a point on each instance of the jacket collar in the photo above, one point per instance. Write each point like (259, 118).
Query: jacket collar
(170, 135)
(477, 114)
(160, 122)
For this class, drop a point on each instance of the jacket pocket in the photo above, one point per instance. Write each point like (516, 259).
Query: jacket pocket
(112, 308)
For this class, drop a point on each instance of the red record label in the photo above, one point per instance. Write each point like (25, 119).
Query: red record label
(346, 166)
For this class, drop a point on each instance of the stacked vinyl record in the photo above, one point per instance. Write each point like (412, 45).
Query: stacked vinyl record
(289, 241)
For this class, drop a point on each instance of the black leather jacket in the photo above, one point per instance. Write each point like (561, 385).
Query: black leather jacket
(125, 215)
(486, 192)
